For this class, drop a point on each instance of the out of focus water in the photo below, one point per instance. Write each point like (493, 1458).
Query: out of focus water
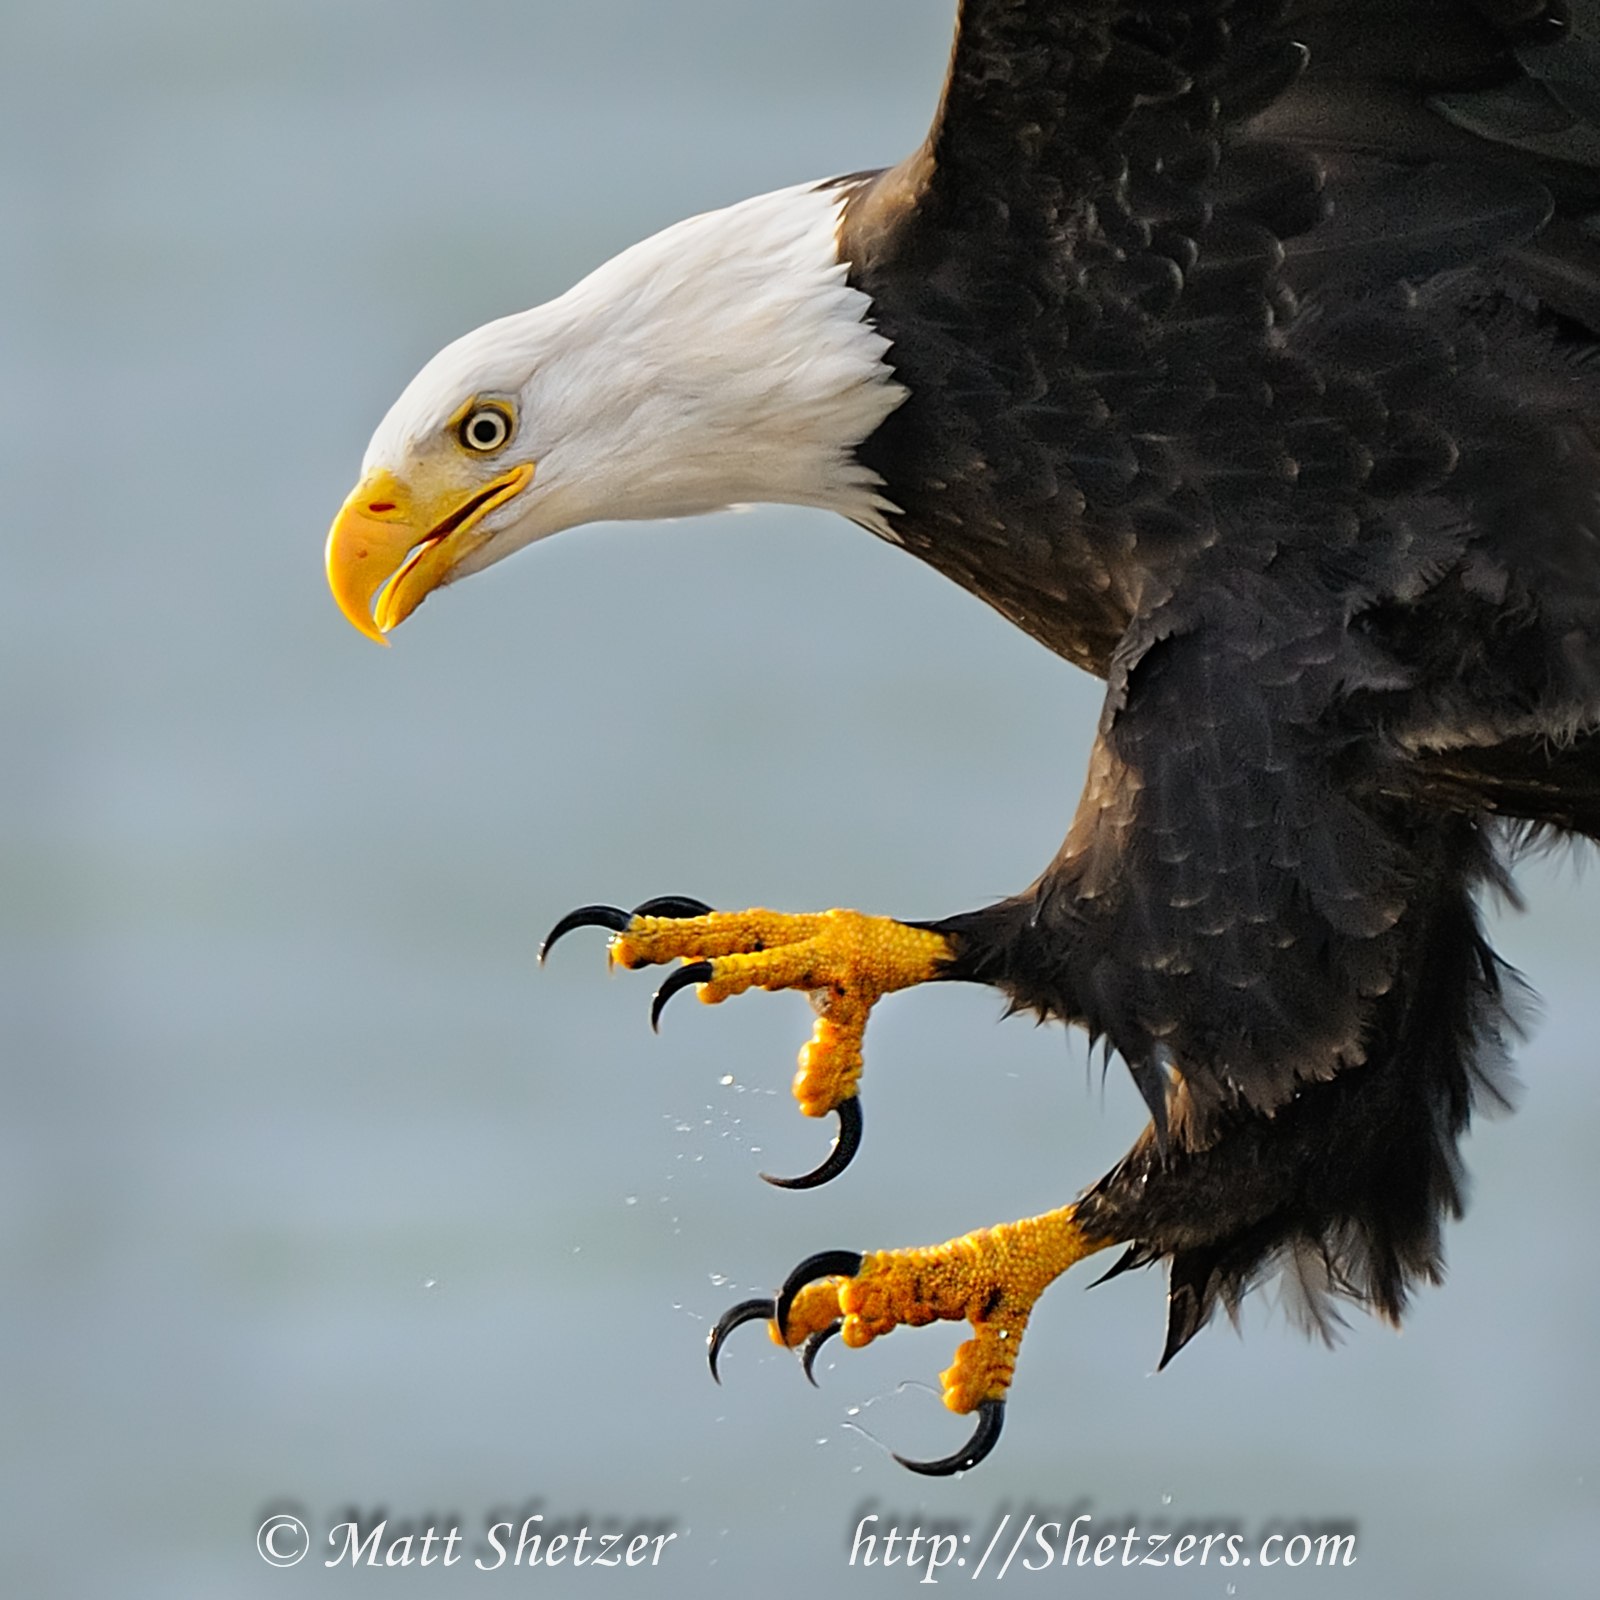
(314, 1191)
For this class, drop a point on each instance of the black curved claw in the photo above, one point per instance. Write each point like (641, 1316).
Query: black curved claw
(733, 1317)
(683, 978)
(991, 1416)
(673, 905)
(612, 917)
(824, 1264)
(814, 1342)
(838, 1158)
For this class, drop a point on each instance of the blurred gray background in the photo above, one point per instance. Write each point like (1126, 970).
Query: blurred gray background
(313, 1190)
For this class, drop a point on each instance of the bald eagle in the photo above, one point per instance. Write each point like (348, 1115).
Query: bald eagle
(1238, 351)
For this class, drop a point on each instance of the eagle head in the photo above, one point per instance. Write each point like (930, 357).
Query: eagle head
(727, 359)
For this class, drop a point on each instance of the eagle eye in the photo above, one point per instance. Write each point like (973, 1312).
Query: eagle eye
(485, 429)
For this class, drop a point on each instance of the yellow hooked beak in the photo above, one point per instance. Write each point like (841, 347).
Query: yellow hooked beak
(387, 549)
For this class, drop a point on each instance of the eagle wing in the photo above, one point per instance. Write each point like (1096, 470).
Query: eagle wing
(1038, 90)
(1282, 422)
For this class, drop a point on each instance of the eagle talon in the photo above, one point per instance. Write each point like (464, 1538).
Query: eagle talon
(612, 918)
(824, 1264)
(844, 961)
(991, 1418)
(615, 920)
(733, 1317)
(684, 978)
(814, 1343)
(843, 1153)
(673, 905)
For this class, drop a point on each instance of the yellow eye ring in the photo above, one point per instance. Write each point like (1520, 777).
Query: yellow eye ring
(485, 429)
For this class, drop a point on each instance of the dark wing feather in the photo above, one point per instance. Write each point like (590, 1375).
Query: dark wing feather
(1038, 91)
(1233, 894)
(1494, 86)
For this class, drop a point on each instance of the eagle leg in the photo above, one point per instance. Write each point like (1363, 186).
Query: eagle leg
(845, 961)
(990, 1278)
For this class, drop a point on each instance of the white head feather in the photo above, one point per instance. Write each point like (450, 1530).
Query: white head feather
(725, 360)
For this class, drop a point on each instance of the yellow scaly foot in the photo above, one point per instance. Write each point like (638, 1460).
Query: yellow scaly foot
(990, 1278)
(844, 960)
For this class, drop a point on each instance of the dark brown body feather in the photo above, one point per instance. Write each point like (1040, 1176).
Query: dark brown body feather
(1247, 356)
